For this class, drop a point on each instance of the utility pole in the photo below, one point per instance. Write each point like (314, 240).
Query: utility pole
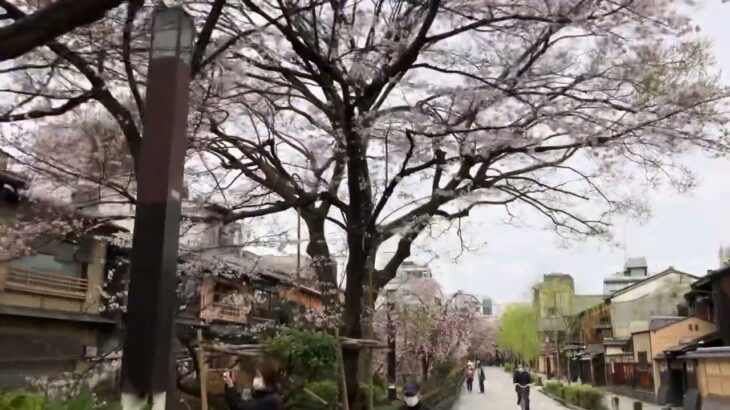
(148, 366)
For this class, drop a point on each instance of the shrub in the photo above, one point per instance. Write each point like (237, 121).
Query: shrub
(309, 360)
(585, 396)
(554, 389)
(379, 392)
(312, 355)
(509, 367)
(571, 395)
(591, 398)
(390, 406)
(444, 369)
(326, 389)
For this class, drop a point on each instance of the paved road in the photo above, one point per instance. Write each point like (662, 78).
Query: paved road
(500, 395)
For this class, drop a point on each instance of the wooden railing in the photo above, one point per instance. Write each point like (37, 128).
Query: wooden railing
(224, 311)
(48, 284)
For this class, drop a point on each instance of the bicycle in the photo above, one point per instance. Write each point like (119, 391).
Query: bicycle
(524, 395)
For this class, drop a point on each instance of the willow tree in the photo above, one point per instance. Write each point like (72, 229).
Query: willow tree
(375, 120)
(519, 332)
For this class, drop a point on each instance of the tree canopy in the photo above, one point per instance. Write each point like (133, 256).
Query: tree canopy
(519, 333)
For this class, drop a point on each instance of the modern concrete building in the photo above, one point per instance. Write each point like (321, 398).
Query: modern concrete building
(635, 270)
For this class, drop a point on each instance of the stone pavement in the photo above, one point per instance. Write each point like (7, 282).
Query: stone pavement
(500, 395)
(627, 403)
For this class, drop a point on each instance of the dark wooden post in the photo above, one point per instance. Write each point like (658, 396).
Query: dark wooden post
(148, 362)
(721, 291)
(392, 393)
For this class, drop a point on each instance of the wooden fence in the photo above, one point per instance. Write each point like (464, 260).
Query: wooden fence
(631, 375)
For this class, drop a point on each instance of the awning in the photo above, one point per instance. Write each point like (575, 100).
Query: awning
(615, 342)
(708, 340)
(708, 353)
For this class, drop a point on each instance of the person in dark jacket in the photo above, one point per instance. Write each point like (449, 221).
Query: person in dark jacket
(263, 393)
(412, 398)
(481, 376)
(522, 381)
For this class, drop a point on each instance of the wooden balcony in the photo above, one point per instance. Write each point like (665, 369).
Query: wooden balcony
(45, 284)
(225, 312)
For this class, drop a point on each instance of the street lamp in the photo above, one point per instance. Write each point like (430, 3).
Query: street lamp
(148, 360)
(172, 35)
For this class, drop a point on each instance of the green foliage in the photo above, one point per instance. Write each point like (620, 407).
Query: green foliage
(571, 395)
(519, 331)
(554, 389)
(442, 389)
(444, 369)
(309, 362)
(311, 355)
(389, 406)
(326, 389)
(585, 396)
(20, 400)
(509, 367)
(380, 393)
(322, 389)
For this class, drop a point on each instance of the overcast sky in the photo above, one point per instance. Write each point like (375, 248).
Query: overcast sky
(685, 231)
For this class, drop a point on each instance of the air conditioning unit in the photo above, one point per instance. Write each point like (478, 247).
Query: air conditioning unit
(90, 352)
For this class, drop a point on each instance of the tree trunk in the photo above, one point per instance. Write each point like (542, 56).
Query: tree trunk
(322, 261)
(359, 244)
(352, 322)
(425, 366)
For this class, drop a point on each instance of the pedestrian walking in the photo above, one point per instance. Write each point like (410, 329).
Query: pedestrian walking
(481, 376)
(469, 377)
(412, 399)
(522, 381)
(264, 395)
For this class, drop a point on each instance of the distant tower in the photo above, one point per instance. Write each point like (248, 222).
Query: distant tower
(487, 306)
(724, 255)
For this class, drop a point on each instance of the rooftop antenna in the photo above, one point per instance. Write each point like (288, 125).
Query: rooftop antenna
(626, 255)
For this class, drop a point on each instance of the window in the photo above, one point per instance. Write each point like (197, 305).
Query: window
(643, 360)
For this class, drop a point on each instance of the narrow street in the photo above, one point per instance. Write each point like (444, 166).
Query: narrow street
(500, 395)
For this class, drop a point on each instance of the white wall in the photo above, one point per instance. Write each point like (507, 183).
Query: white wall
(632, 310)
(667, 281)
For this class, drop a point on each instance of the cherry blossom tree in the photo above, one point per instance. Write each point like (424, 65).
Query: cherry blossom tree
(375, 120)
(481, 339)
(428, 334)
